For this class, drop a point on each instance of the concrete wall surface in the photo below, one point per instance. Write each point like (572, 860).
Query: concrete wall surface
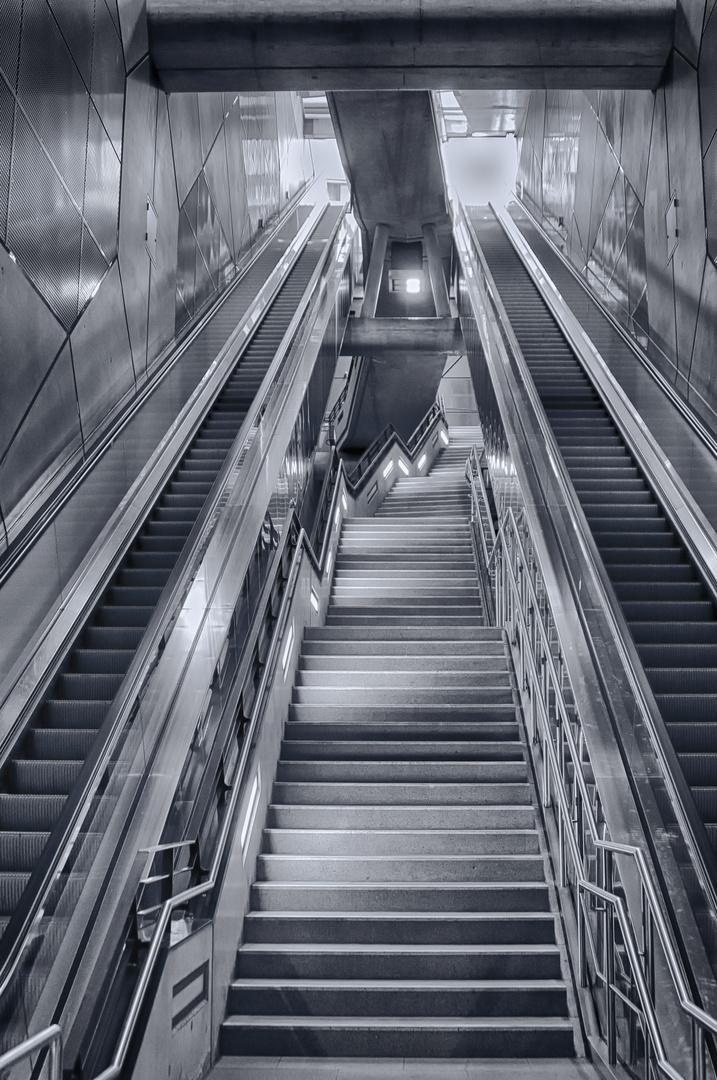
(626, 183)
(88, 141)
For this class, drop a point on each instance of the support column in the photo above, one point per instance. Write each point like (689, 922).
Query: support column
(435, 271)
(375, 272)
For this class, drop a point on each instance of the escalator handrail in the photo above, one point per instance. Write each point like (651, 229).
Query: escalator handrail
(702, 853)
(702, 856)
(78, 804)
(162, 366)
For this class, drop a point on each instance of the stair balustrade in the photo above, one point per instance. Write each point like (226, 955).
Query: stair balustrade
(618, 964)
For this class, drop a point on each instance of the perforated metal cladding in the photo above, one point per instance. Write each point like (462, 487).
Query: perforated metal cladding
(44, 228)
(709, 166)
(102, 187)
(53, 95)
(93, 267)
(7, 112)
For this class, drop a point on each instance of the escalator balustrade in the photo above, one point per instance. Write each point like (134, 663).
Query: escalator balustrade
(668, 608)
(46, 761)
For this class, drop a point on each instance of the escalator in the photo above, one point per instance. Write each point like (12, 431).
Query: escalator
(669, 610)
(47, 758)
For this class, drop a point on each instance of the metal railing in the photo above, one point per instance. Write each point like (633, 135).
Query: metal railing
(47, 1042)
(618, 961)
(176, 875)
(366, 461)
(81, 803)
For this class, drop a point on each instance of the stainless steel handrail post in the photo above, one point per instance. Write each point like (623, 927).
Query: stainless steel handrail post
(49, 1039)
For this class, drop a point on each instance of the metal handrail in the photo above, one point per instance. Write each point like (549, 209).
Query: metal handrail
(50, 1039)
(540, 679)
(435, 412)
(319, 562)
(79, 803)
(701, 854)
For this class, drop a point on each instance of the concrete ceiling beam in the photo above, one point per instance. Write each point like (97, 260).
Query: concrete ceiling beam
(375, 337)
(409, 44)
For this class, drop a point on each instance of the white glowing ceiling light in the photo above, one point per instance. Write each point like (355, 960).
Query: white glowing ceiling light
(413, 285)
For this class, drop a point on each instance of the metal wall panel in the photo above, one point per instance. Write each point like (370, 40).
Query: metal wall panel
(48, 433)
(101, 353)
(136, 184)
(30, 339)
(83, 146)
(659, 145)
(685, 166)
(186, 141)
(133, 25)
(163, 272)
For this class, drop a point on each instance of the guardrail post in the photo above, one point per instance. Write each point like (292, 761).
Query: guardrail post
(699, 1064)
(582, 941)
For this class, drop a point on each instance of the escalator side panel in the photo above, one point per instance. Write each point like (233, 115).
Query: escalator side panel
(47, 759)
(668, 608)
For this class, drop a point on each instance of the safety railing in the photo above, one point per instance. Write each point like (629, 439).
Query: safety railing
(46, 1044)
(179, 875)
(335, 415)
(619, 962)
(435, 413)
(123, 728)
(483, 529)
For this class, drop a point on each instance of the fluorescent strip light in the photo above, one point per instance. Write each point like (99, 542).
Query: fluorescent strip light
(445, 438)
(422, 462)
(388, 470)
(314, 599)
(403, 466)
(343, 501)
(337, 517)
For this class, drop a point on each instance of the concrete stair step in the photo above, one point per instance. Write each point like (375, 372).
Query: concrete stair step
(395, 816)
(384, 868)
(382, 619)
(300, 750)
(433, 1037)
(413, 998)
(465, 663)
(397, 679)
(345, 961)
(386, 793)
(436, 896)
(387, 648)
(402, 771)
(380, 715)
(413, 695)
(411, 733)
(340, 841)
(489, 637)
(408, 927)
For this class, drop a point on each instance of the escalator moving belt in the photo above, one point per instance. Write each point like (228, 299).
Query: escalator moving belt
(667, 606)
(48, 756)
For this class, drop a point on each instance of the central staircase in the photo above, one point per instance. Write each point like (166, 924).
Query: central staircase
(401, 907)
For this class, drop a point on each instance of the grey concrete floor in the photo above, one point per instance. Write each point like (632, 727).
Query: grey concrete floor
(281, 1068)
